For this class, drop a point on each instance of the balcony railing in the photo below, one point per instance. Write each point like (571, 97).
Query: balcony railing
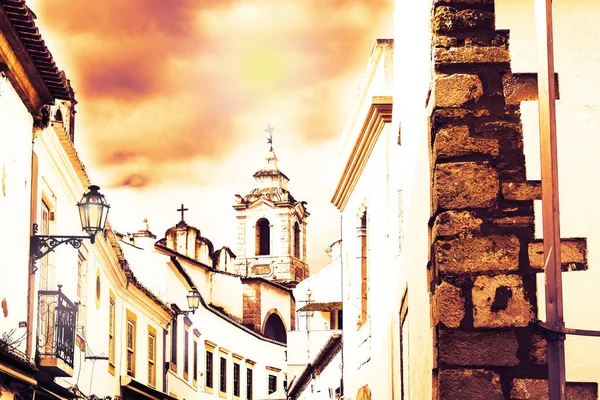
(57, 317)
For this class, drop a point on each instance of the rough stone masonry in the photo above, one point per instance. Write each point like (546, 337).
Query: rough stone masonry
(481, 278)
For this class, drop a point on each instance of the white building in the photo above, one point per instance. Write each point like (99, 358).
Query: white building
(314, 356)
(368, 196)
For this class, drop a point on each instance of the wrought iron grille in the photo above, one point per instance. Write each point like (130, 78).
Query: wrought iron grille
(56, 326)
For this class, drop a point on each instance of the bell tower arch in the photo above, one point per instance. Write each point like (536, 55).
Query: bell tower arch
(271, 228)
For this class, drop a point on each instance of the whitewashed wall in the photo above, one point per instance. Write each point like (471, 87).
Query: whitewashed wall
(15, 186)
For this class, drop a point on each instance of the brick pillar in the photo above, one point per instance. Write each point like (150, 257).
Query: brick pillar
(483, 289)
(252, 306)
(484, 256)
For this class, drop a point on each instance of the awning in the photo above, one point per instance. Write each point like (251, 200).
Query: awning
(128, 382)
(330, 306)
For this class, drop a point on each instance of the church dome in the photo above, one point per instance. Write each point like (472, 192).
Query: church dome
(188, 241)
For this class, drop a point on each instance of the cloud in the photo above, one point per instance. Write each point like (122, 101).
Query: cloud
(168, 91)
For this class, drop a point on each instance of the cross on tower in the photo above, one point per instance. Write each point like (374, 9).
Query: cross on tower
(182, 209)
(270, 129)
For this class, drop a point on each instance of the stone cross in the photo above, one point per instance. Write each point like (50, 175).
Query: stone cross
(270, 129)
(182, 209)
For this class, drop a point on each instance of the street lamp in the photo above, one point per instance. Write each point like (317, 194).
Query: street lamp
(93, 210)
(193, 300)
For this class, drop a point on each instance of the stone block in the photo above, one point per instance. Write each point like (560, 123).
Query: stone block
(449, 307)
(514, 221)
(573, 254)
(477, 254)
(499, 301)
(469, 384)
(522, 87)
(444, 41)
(478, 348)
(499, 130)
(471, 55)
(450, 223)
(454, 141)
(465, 185)
(537, 389)
(449, 20)
(522, 191)
(539, 350)
(457, 89)
(498, 39)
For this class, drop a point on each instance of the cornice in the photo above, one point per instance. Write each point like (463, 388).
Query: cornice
(379, 113)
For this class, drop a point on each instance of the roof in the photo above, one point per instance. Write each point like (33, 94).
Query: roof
(216, 310)
(15, 358)
(268, 282)
(329, 306)
(114, 242)
(328, 351)
(22, 20)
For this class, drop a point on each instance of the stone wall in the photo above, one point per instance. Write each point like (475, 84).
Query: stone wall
(482, 282)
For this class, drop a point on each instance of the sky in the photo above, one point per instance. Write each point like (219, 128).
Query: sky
(174, 98)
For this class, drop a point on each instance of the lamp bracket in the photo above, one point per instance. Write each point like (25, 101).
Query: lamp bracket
(44, 244)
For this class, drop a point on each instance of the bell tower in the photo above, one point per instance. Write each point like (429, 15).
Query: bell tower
(271, 227)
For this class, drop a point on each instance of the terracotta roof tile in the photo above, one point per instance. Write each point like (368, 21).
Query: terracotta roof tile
(23, 21)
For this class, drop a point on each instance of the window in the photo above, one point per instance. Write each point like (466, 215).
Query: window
(173, 365)
(186, 352)
(195, 369)
(296, 240)
(249, 385)
(151, 356)
(130, 343)
(111, 333)
(236, 380)
(209, 369)
(263, 237)
(364, 287)
(82, 290)
(272, 383)
(223, 376)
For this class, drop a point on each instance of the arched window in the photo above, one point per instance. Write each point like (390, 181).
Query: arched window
(58, 115)
(364, 273)
(296, 240)
(275, 329)
(263, 237)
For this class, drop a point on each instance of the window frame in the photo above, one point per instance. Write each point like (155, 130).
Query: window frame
(269, 376)
(173, 359)
(249, 381)
(222, 375)
(186, 352)
(152, 356)
(209, 368)
(237, 387)
(112, 306)
(130, 320)
(195, 358)
(363, 235)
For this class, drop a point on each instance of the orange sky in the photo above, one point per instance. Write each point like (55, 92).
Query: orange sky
(174, 97)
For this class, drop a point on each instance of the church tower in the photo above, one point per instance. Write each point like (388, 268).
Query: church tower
(271, 228)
